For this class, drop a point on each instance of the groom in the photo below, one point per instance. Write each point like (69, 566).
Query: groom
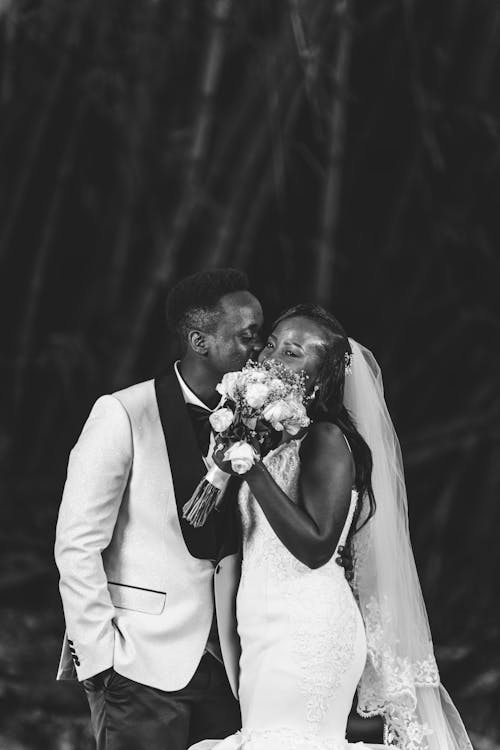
(148, 599)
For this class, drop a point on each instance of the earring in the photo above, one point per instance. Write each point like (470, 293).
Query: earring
(313, 393)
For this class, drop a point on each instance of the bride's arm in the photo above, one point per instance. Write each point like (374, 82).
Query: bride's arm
(311, 529)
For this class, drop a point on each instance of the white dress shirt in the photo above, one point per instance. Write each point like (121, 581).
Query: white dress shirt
(192, 398)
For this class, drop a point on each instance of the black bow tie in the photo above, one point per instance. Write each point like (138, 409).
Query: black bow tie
(202, 427)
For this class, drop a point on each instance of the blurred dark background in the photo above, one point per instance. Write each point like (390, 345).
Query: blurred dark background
(343, 151)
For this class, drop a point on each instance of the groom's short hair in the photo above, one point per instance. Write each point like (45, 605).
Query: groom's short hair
(194, 302)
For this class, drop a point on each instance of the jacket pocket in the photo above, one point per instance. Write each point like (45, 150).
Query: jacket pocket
(137, 599)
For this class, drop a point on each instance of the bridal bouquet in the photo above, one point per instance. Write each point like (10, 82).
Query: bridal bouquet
(257, 402)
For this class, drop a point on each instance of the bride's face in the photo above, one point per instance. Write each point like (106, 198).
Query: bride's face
(299, 343)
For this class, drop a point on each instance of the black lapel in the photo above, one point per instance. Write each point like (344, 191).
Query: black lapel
(186, 462)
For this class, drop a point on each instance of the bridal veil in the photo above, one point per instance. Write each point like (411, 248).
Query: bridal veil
(401, 681)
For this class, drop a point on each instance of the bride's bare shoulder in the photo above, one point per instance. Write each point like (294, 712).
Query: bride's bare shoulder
(324, 437)
(325, 456)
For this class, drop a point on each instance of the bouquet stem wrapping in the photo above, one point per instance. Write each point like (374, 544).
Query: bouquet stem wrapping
(205, 497)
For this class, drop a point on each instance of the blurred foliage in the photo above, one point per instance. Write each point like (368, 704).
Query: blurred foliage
(347, 152)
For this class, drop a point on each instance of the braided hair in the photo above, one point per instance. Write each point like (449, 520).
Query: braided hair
(328, 405)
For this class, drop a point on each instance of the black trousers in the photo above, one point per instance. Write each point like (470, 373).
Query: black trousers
(129, 716)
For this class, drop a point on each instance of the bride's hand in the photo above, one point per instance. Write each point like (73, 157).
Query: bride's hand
(268, 438)
(218, 457)
(344, 559)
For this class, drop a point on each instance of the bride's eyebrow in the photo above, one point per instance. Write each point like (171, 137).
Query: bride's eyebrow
(321, 349)
(293, 343)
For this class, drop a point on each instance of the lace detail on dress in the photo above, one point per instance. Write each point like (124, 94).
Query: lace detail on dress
(324, 642)
(261, 545)
(288, 739)
(318, 603)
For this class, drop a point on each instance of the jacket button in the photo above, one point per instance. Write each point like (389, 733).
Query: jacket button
(77, 662)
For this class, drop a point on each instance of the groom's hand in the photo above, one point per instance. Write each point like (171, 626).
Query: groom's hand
(344, 559)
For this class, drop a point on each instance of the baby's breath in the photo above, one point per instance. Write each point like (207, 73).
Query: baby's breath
(282, 381)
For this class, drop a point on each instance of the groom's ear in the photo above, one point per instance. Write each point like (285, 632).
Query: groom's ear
(198, 342)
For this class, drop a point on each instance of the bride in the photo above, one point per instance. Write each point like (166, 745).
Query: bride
(309, 641)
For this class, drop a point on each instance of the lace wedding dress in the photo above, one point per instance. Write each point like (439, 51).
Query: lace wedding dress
(302, 635)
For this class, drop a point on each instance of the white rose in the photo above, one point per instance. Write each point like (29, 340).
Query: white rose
(228, 386)
(221, 419)
(276, 412)
(256, 394)
(297, 409)
(298, 418)
(242, 457)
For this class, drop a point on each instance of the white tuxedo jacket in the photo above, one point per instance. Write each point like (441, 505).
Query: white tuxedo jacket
(137, 582)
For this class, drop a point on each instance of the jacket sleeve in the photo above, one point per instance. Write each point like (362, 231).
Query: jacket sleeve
(98, 470)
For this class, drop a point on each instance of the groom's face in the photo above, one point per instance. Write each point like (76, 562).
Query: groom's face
(237, 336)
